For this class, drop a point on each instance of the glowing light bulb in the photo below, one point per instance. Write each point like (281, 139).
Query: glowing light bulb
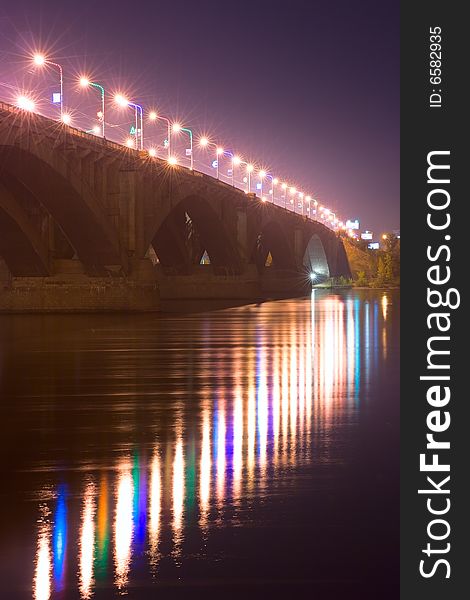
(262, 174)
(152, 152)
(284, 186)
(203, 142)
(130, 142)
(275, 181)
(236, 160)
(66, 119)
(119, 99)
(176, 127)
(84, 82)
(308, 198)
(249, 168)
(219, 151)
(172, 160)
(25, 103)
(39, 59)
(292, 190)
(153, 116)
(96, 130)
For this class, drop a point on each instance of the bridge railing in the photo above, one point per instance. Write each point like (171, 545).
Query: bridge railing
(143, 154)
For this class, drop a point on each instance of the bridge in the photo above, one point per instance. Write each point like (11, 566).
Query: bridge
(88, 224)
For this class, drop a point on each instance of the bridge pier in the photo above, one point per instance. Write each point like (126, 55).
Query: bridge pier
(71, 289)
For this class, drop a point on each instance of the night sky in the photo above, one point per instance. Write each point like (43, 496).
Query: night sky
(309, 89)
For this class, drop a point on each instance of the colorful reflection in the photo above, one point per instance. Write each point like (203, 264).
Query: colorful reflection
(42, 577)
(265, 409)
(102, 546)
(123, 526)
(178, 497)
(59, 540)
(155, 510)
(87, 541)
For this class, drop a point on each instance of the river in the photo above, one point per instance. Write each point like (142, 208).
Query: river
(189, 454)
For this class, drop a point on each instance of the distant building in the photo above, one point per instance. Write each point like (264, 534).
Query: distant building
(352, 224)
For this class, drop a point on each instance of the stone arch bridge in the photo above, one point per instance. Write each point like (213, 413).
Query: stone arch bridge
(86, 224)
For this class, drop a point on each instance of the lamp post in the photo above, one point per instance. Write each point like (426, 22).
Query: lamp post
(315, 202)
(301, 196)
(177, 127)
(284, 187)
(249, 170)
(204, 142)
(153, 116)
(236, 160)
(292, 192)
(218, 152)
(274, 182)
(309, 209)
(137, 109)
(40, 60)
(262, 175)
(333, 219)
(85, 83)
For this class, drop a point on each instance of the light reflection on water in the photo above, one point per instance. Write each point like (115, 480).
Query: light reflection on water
(266, 403)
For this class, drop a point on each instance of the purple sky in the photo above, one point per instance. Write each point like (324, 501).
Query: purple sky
(309, 89)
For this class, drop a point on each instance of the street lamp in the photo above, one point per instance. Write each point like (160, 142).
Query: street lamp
(249, 170)
(262, 175)
(274, 182)
(119, 99)
(292, 191)
(232, 158)
(25, 103)
(236, 160)
(85, 83)
(154, 116)
(309, 209)
(40, 60)
(284, 187)
(218, 152)
(176, 128)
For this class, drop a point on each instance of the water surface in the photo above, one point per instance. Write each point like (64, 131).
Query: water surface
(246, 451)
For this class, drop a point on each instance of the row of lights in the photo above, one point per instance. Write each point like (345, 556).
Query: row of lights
(137, 143)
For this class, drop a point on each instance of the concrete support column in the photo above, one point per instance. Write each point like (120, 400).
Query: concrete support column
(127, 205)
(242, 234)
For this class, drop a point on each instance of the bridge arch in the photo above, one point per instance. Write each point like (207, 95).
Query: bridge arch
(50, 179)
(273, 243)
(192, 227)
(315, 259)
(21, 245)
